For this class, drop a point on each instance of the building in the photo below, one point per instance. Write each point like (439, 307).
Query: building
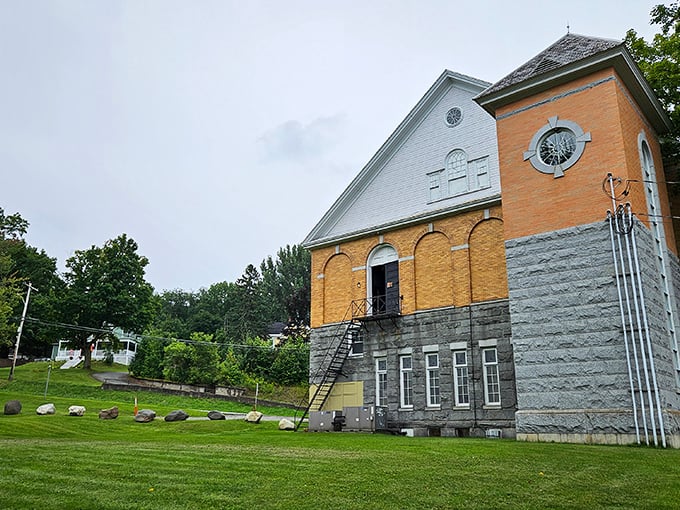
(101, 350)
(503, 264)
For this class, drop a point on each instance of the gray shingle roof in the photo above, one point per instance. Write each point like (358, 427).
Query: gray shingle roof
(568, 49)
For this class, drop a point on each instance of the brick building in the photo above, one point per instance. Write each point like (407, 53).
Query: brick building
(502, 263)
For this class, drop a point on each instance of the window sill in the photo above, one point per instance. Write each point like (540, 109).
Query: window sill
(405, 409)
(433, 408)
(491, 406)
(461, 407)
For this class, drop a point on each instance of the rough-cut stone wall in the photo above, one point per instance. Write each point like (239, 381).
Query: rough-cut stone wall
(441, 327)
(657, 319)
(570, 360)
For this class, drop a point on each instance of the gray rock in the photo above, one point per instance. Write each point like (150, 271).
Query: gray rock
(109, 414)
(254, 417)
(216, 415)
(76, 411)
(13, 407)
(285, 424)
(145, 416)
(46, 409)
(177, 415)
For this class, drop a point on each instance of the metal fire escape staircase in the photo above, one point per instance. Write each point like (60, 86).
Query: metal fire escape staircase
(331, 366)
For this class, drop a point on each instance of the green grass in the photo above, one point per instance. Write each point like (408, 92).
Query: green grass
(82, 462)
(77, 387)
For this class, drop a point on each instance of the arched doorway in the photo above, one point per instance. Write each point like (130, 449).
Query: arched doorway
(383, 280)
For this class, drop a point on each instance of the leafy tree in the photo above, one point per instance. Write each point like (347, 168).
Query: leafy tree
(175, 308)
(229, 371)
(19, 265)
(177, 362)
(204, 360)
(12, 226)
(292, 362)
(256, 356)
(659, 60)
(9, 299)
(106, 288)
(287, 283)
(27, 264)
(148, 360)
(218, 304)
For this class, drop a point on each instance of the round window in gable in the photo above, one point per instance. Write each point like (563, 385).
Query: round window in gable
(556, 146)
(454, 116)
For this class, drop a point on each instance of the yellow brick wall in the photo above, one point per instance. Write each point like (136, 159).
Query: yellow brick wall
(451, 261)
(489, 275)
(534, 202)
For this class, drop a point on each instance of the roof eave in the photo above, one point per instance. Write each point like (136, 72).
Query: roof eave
(383, 154)
(403, 222)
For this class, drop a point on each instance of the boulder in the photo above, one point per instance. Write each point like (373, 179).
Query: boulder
(254, 417)
(216, 415)
(109, 414)
(177, 415)
(76, 411)
(145, 415)
(286, 424)
(46, 409)
(12, 407)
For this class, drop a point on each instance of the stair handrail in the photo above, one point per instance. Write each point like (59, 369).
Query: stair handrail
(320, 375)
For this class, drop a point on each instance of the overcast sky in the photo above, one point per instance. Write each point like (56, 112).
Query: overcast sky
(215, 132)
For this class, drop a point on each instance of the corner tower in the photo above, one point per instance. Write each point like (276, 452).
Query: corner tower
(592, 300)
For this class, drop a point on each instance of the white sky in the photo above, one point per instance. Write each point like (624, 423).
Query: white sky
(215, 132)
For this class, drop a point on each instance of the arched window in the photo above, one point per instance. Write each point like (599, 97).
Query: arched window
(457, 171)
(458, 176)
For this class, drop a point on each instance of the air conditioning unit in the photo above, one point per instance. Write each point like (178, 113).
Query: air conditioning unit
(494, 433)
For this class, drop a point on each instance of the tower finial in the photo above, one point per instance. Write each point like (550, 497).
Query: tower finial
(568, 28)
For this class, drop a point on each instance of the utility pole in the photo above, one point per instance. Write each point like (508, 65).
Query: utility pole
(21, 328)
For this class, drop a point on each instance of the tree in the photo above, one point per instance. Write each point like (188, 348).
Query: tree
(660, 63)
(287, 284)
(291, 365)
(248, 312)
(9, 299)
(148, 360)
(12, 226)
(19, 265)
(106, 288)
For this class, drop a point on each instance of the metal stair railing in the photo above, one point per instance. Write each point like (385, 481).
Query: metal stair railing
(330, 367)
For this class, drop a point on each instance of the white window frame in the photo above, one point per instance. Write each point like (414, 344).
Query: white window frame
(433, 380)
(461, 379)
(356, 340)
(381, 382)
(492, 382)
(435, 185)
(406, 382)
(457, 173)
(459, 176)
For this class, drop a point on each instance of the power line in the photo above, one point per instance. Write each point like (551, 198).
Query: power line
(75, 327)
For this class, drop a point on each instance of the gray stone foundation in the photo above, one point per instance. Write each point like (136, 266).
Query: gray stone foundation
(485, 322)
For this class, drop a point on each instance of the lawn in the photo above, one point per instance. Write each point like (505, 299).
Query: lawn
(62, 462)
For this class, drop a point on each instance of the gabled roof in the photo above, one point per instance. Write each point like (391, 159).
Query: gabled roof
(571, 57)
(321, 233)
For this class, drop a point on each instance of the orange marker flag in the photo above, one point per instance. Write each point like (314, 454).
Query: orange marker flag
(135, 411)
